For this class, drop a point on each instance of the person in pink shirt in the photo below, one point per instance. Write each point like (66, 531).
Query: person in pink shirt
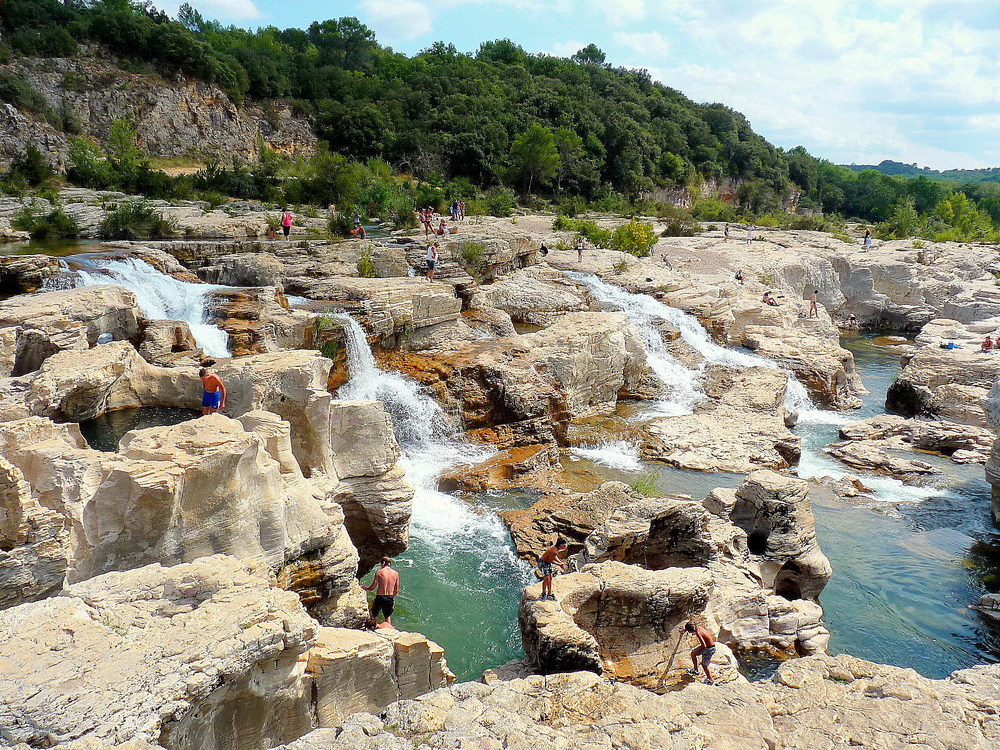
(286, 221)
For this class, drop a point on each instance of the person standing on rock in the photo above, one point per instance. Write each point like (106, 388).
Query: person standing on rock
(750, 228)
(286, 222)
(868, 239)
(579, 249)
(813, 307)
(386, 586)
(432, 256)
(549, 558)
(213, 395)
(725, 232)
(705, 649)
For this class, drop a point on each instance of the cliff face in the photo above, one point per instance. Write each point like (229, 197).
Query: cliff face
(175, 117)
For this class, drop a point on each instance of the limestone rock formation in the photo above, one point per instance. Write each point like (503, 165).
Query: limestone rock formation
(952, 439)
(870, 456)
(721, 434)
(71, 319)
(519, 467)
(946, 383)
(534, 296)
(991, 406)
(355, 672)
(123, 658)
(20, 274)
(175, 118)
(258, 320)
(829, 702)
(618, 620)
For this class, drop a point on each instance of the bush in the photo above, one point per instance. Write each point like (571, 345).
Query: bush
(54, 225)
(17, 91)
(366, 266)
(586, 228)
(136, 220)
(712, 209)
(680, 228)
(30, 168)
(341, 223)
(635, 238)
(499, 202)
(471, 254)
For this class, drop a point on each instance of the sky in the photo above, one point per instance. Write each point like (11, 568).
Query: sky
(854, 81)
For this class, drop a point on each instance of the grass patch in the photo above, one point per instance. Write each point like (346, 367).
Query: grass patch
(366, 266)
(647, 484)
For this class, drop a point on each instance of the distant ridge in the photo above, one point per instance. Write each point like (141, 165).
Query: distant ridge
(992, 174)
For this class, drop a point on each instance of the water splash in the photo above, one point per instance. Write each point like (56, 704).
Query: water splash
(161, 297)
(615, 454)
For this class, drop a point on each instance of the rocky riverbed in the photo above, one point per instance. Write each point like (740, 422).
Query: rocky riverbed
(365, 417)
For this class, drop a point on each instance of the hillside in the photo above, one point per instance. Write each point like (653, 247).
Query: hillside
(895, 168)
(575, 131)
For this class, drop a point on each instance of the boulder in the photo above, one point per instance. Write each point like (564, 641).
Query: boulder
(70, 319)
(534, 296)
(569, 515)
(739, 428)
(528, 466)
(617, 620)
(123, 658)
(20, 274)
(939, 436)
(244, 270)
(871, 457)
(817, 702)
(776, 514)
(965, 373)
(354, 671)
(259, 320)
(169, 343)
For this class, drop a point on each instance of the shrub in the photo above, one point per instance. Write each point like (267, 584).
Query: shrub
(680, 228)
(54, 225)
(17, 91)
(620, 266)
(635, 238)
(712, 209)
(135, 220)
(646, 484)
(341, 223)
(499, 202)
(30, 167)
(586, 228)
(471, 254)
(366, 266)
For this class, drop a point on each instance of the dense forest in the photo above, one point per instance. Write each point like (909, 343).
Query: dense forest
(572, 131)
(890, 167)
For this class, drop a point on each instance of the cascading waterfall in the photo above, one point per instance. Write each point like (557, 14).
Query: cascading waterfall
(161, 297)
(429, 447)
(642, 310)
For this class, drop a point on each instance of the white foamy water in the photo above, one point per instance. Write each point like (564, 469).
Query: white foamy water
(428, 442)
(162, 297)
(642, 310)
(615, 454)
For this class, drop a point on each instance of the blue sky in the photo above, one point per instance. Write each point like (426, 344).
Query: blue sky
(851, 80)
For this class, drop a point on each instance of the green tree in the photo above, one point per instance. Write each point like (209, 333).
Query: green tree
(590, 55)
(534, 156)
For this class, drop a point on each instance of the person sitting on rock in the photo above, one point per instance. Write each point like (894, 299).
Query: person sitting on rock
(213, 395)
(386, 585)
(549, 558)
(740, 277)
(768, 299)
(987, 345)
(705, 649)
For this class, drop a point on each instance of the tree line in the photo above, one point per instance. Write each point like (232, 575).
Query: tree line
(571, 130)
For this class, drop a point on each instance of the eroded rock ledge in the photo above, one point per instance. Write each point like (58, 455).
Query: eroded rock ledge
(817, 702)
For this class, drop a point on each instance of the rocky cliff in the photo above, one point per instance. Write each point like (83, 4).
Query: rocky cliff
(176, 117)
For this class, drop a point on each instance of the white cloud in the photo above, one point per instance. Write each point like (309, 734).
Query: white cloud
(398, 19)
(565, 49)
(911, 80)
(621, 12)
(646, 43)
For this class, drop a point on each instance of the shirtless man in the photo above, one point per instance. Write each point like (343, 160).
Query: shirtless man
(813, 309)
(706, 650)
(213, 395)
(987, 345)
(386, 586)
(549, 558)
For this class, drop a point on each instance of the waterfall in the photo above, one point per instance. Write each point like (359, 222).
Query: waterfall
(430, 446)
(615, 454)
(162, 297)
(684, 383)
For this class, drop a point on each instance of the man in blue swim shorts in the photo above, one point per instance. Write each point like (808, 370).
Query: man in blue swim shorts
(213, 395)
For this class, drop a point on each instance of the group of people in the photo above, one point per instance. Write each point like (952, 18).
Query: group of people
(428, 216)
(750, 229)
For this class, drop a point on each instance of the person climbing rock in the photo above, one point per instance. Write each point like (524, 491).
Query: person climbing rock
(813, 308)
(705, 649)
(213, 395)
(549, 558)
(386, 587)
(432, 256)
(286, 222)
